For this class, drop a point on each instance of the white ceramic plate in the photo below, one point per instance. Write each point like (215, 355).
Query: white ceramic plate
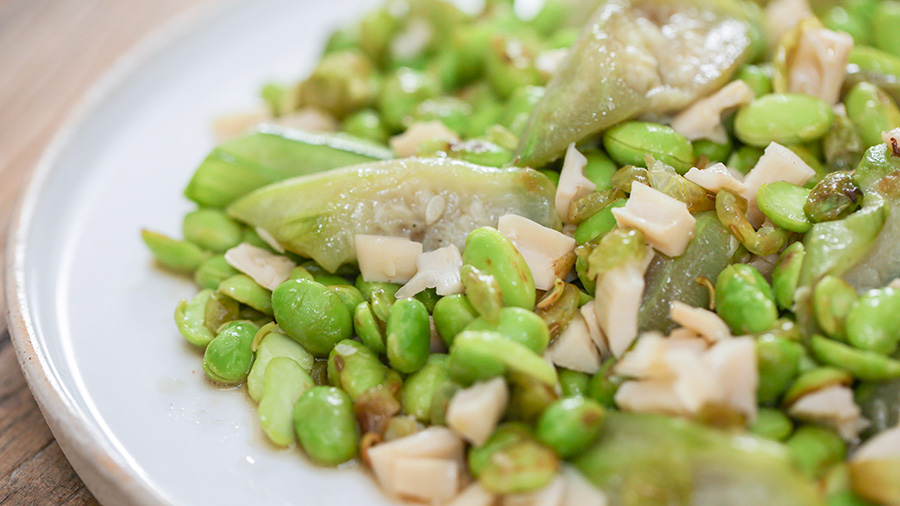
(92, 318)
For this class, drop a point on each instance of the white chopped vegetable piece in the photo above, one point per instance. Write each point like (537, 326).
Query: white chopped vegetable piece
(474, 412)
(832, 406)
(617, 302)
(777, 163)
(895, 284)
(267, 269)
(819, 64)
(590, 317)
(892, 139)
(551, 495)
(695, 383)
(309, 119)
(407, 143)
(574, 349)
(427, 480)
(683, 334)
(883, 446)
(666, 223)
(716, 177)
(702, 321)
(431, 443)
(649, 396)
(474, 495)
(703, 118)
(733, 363)
(437, 269)
(548, 253)
(572, 183)
(579, 491)
(647, 359)
(387, 259)
(783, 15)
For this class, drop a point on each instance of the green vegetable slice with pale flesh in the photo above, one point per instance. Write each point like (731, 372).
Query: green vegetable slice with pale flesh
(269, 154)
(667, 66)
(317, 216)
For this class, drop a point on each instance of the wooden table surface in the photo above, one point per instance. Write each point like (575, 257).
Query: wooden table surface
(50, 53)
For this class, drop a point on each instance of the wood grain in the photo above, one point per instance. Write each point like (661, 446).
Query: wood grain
(51, 51)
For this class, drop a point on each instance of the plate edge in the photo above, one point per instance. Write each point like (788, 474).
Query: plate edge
(102, 468)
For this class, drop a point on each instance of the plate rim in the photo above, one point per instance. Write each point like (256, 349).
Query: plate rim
(103, 469)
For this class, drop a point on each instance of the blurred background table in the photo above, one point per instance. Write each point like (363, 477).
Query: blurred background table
(51, 51)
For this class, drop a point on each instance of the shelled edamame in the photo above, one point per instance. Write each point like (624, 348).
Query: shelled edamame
(656, 243)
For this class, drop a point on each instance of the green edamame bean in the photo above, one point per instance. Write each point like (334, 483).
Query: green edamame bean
(863, 364)
(408, 335)
(778, 360)
(629, 142)
(520, 467)
(745, 300)
(482, 291)
(833, 198)
(506, 435)
(837, 18)
(744, 158)
(583, 208)
(370, 329)
(758, 79)
(401, 92)
(519, 325)
(772, 424)
(355, 368)
(342, 83)
(509, 62)
(492, 253)
(871, 323)
(451, 315)
(326, 425)
(243, 289)
(482, 355)
(349, 295)
(441, 400)
(251, 237)
(602, 386)
(300, 272)
(366, 124)
(213, 271)
(376, 30)
(179, 256)
(429, 298)
(379, 294)
(814, 449)
(528, 397)
(815, 379)
(599, 168)
(842, 146)
(211, 229)
(228, 357)
(884, 27)
(713, 151)
(784, 118)
(573, 383)
(783, 203)
(312, 314)
(219, 310)
(599, 224)
(872, 111)
(569, 426)
(451, 111)
(786, 275)
(832, 299)
(868, 64)
(190, 318)
(285, 381)
(420, 388)
(271, 346)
